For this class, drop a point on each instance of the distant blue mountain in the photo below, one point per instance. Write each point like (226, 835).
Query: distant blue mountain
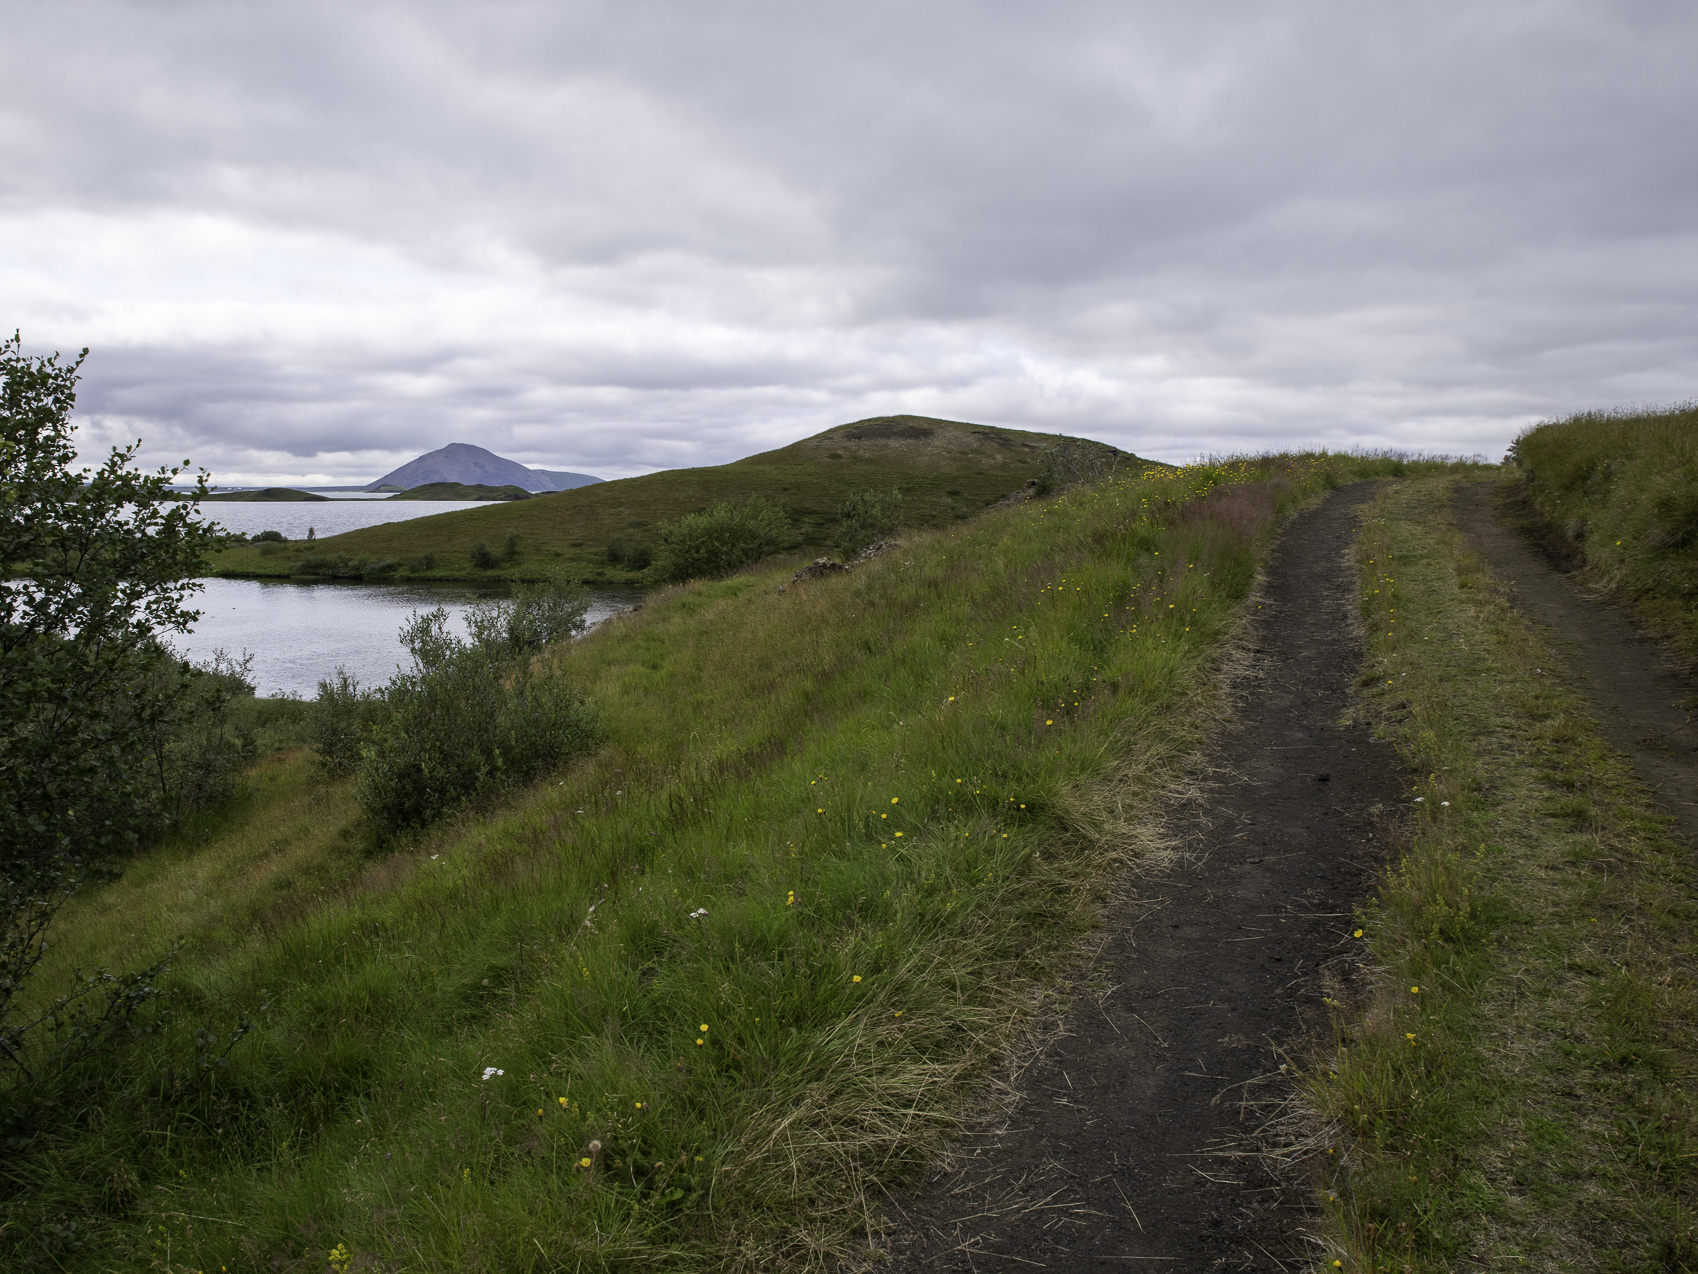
(462, 462)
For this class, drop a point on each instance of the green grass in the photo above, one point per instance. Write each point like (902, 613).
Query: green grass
(254, 864)
(948, 472)
(1619, 490)
(748, 960)
(1529, 1105)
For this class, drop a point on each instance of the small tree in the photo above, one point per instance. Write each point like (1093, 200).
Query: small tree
(866, 518)
(534, 616)
(96, 566)
(1072, 461)
(732, 533)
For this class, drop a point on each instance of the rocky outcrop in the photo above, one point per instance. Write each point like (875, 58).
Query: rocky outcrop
(823, 566)
(819, 568)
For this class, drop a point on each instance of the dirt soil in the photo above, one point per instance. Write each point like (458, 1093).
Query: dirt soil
(1135, 1142)
(1640, 694)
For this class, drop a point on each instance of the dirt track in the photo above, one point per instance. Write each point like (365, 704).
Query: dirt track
(1640, 696)
(1127, 1151)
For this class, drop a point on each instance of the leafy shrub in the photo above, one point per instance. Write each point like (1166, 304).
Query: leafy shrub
(1065, 464)
(196, 752)
(867, 517)
(534, 616)
(344, 714)
(732, 533)
(422, 563)
(482, 558)
(510, 547)
(465, 720)
(270, 537)
(630, 553)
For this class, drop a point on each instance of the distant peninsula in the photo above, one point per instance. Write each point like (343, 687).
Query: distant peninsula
(463, 464)
(267, 495)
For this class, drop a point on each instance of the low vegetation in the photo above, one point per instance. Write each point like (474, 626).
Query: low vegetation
(610, 532)
(1617, 494)
(1511, 1085)
(718, 540)
(866, 518)
(473, 715)
(698, 997)
(107, 739)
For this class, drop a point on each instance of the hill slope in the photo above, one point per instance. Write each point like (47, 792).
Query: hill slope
(702, 999)
(948, 471)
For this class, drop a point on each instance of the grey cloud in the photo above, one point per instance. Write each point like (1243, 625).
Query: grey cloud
(617, 237)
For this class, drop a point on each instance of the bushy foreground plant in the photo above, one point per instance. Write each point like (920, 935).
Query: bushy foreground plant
(626, 551)
(866, 518)
(732, 533)
(1072, 461)
(105, 736)
(473, 713)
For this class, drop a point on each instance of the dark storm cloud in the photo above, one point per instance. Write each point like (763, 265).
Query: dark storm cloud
(310, 242)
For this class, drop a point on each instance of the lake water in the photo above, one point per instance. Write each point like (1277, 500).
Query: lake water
(299, 634)
(332, 517)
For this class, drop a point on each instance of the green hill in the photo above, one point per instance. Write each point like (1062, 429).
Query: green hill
(948, 471)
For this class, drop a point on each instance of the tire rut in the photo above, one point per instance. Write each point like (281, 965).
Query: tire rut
(1135, 1142)
(1639, 693)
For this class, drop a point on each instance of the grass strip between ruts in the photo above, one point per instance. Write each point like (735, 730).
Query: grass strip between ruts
(1512, 1087)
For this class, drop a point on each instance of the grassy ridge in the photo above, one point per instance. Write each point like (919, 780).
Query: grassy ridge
(1619, 490)
(735, 974)
(947, 471)
(1515, 1090)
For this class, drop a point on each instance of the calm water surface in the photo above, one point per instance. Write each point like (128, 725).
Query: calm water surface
(299, 634)
(330, 518)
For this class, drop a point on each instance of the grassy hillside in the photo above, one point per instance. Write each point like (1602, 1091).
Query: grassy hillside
(1618, 493)
(948, 471)
(698, 1000)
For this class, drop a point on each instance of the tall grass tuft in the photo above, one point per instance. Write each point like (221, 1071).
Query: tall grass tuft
(1620, 491)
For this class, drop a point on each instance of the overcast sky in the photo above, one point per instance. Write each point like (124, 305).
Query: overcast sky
(307, 242)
